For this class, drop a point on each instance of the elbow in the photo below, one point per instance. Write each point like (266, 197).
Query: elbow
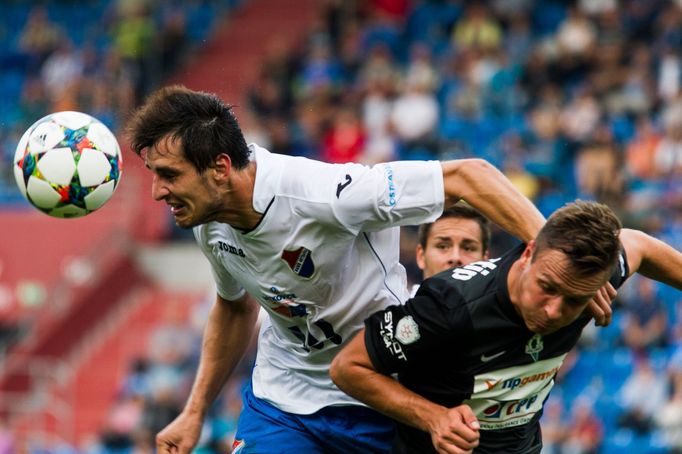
(474, 166)
(461, 175)
(344, 372)
(336, 371)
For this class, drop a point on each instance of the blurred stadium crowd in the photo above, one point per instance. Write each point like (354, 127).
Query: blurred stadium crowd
(570, 98)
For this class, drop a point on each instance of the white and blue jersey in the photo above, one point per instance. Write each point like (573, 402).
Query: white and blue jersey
(323, 257)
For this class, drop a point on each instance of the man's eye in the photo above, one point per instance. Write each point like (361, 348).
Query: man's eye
(579, 301)
(548, 289)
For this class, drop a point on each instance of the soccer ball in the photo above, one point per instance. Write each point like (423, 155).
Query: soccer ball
(67, 164)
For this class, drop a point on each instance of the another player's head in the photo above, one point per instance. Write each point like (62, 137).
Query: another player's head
(562, 269)
(460, 236)
(192, 142)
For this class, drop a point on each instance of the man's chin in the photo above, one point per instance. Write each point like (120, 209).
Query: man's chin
(185, 223)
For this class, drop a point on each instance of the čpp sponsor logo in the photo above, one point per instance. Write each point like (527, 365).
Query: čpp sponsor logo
(510, 408)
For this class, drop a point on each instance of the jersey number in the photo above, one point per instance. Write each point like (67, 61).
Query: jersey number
(310, 341)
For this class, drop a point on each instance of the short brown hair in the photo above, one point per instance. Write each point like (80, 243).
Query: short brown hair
(586, 232)
(204, 124)
(459, 210)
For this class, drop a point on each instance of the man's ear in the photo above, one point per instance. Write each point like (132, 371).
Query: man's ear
(222, 167)
(527, 255)
(419, 256)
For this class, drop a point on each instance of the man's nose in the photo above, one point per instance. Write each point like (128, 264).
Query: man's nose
(455, 258)
(159, 190)
(554, 307)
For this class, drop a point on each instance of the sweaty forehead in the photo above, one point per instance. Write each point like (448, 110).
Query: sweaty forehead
(555, 267)
(166, 150)
(457, 229)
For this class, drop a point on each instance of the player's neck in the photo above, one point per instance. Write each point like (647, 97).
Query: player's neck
(513, 279)
(239, 212)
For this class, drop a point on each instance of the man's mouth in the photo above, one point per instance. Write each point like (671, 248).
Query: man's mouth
(176, 208)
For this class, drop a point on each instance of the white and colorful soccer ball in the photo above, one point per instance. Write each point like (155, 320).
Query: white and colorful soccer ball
(67, 164)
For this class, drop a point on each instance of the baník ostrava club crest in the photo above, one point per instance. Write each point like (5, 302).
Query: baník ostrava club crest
(300, 261)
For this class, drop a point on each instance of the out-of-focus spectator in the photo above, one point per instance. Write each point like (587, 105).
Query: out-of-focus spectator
(345, 139)
(33, 102)
(376, 114)
(669, 418)
(642, 149)
(133, 36)
(668, 155)
(580, 118)
(124, 417)
(137, 382)
(321, 72)
(61, 74)
(598, 174)
(642, 396)
(554, 427)
(585, 432)
(119, 80)
(172, 39)
(645, 321)
(414, 117)
(477, 29)
(576, 35)
(39, 37)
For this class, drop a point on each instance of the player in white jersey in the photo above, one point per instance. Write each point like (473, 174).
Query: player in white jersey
(315, 244)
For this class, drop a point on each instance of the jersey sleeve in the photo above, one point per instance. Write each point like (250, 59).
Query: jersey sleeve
(622, 270)
(389, 194)
(226, 286)
(401, 336)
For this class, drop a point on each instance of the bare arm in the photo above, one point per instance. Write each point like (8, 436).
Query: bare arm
(452, 430)
(228, 332)
(652, 257)
(485, 188)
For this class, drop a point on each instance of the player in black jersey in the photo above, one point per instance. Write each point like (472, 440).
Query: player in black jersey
(477, 349)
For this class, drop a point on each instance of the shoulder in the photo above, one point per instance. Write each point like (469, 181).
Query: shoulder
(297, 177)
(472, 280)
(200, 234)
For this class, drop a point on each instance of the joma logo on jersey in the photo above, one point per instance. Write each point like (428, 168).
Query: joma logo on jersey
(300, 261)
(231, 249)
(515, 382)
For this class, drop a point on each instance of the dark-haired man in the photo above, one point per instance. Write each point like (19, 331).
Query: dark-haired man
(477, 349)
(315, 244)
(461, 235)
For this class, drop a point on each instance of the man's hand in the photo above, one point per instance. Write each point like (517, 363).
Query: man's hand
(180, 436)
(455, 431)
(600, 305)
